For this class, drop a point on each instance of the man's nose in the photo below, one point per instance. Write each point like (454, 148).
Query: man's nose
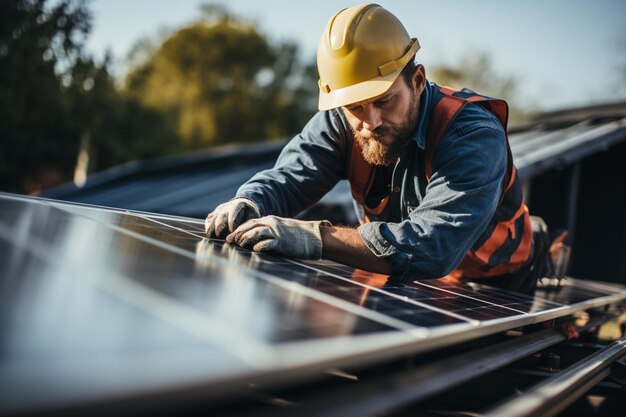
(371, 118)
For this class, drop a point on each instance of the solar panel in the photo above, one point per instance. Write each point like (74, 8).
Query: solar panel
(103, 305)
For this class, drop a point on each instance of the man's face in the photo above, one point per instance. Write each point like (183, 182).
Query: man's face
(383, 125)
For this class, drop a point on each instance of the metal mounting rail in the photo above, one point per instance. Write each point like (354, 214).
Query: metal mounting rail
(554, 394)
(403, 387)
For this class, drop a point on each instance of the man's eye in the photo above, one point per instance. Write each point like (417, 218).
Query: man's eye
(383, 101)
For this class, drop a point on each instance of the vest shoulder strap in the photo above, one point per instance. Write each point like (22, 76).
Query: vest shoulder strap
(361, 173)
(448, 108)
(444, 112)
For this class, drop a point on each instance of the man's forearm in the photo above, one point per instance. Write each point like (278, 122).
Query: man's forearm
(344, 245)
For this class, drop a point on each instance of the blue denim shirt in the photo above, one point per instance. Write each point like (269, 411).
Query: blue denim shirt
(429, 226)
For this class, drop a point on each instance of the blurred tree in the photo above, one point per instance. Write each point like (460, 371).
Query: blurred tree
(220, 80)
(112, 128)
(57, 105)
(476, 72)
(35, 43)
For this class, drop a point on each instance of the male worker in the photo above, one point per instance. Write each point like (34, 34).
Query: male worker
(429, 167)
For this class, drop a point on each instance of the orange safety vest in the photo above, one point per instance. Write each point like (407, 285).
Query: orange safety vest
(500, 235)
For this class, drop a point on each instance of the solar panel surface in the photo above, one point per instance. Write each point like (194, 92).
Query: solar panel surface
(101, 304)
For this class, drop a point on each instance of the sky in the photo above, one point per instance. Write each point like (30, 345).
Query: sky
(565, 53)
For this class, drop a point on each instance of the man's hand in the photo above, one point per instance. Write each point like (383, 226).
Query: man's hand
(229, 216)
(289, 237)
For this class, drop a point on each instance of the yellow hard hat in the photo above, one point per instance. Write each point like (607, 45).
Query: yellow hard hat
(361, 53)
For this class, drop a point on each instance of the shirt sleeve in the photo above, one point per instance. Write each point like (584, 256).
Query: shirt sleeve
(306, 169)
(468, 170)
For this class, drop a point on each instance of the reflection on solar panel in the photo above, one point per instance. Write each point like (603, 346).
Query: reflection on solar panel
(102, 305)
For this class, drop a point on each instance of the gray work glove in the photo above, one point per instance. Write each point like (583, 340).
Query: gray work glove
(288, 237)
(228, 216)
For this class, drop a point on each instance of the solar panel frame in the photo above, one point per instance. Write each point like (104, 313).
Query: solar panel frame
(283, 360)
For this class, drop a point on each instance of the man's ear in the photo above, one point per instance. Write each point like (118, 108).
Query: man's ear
(419, 79)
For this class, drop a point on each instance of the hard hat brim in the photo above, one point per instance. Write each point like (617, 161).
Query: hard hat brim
(357, 92)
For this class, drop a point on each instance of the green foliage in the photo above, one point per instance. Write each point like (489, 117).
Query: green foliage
(52, 95)
(215, 81)
(33, 43)
(220, 81)
(119, 128)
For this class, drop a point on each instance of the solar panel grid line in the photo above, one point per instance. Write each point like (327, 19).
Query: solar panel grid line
(439, 289)
(557, 309)
(552, 309)
(456, 300)
(152, 219)
(165, 308)
(415, 332)
(346, 306)
(90, 210)
(437, 336)
(339, 293)
(321, 296)
(248, 349)
(360, 287)
(185, 231)
(351, 282)
(198, 221)
(195, 222)
(403, 298)
(139, 236)
(317, 295)
(388, 345)
(331, 265)
(288, 359)
(422, 283)
(489, 294)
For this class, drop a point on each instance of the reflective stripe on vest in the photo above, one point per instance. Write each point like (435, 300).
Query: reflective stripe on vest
(506, 243)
